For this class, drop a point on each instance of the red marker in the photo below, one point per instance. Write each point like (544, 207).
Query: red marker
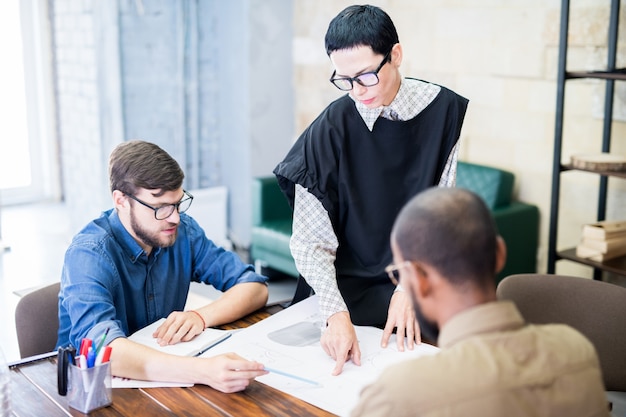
(85, 344)
(104, 356)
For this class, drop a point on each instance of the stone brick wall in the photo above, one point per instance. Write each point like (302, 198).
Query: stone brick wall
(502, 55)
(209, 81)
(78, 110)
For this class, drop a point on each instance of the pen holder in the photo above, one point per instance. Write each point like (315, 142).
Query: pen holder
(89, 389)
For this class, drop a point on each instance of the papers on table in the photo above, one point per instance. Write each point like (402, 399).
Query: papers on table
(196, 346)
(117, 382)
(288, 342)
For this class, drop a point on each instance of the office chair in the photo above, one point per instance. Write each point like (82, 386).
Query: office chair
(597, 309)
(37, 320)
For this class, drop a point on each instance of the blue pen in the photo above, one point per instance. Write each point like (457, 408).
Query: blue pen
(91, 357)
(288, 375)
(220, 340)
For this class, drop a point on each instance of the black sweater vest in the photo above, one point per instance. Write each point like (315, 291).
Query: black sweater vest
(364, 178)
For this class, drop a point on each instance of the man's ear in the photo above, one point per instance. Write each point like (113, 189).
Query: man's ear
(119, 200)
(500, 254)
(423, 285)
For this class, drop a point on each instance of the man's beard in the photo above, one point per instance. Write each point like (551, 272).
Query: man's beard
(152, 239)
(428, 328)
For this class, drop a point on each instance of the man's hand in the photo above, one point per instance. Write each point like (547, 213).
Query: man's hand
(230, 372)
(180, 326)
(401, 316)
(339, 341)
(227, 372)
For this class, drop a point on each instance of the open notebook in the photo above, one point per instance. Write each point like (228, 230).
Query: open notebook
(195, 347)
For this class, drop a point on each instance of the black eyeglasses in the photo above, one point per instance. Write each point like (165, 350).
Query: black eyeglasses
(393, 271)
(165, 211)
(367, 79)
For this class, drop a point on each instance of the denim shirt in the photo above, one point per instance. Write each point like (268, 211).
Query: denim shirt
(108, 281)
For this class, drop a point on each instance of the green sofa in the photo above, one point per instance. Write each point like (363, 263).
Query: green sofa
(517, 222)
(271, 227)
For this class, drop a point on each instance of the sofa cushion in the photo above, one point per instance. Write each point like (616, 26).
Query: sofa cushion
(268, 202)
(273, 236)
(493, 185)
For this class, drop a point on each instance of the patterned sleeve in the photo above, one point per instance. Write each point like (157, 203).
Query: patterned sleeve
(448, 177)
(314, 247)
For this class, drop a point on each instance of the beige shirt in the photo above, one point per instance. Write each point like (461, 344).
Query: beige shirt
(492, 364)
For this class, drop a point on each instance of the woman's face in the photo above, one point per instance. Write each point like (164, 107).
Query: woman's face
(355, 61)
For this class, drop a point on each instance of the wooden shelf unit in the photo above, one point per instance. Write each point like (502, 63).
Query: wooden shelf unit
(610, 76)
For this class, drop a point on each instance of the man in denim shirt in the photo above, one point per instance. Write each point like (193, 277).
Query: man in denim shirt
(133, 265)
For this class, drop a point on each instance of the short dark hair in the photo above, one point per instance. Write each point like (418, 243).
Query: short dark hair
(139, 164)
(361, 26)
(452, 230)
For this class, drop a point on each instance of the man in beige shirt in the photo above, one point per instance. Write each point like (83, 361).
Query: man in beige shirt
(447, 252)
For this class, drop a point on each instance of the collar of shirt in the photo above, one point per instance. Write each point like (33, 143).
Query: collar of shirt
(485, 318)
(413, 96)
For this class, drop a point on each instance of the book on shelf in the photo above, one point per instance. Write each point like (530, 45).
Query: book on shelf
(599, 162)
(605, 245)
(605, 230)
(195, 347)
(598, 255)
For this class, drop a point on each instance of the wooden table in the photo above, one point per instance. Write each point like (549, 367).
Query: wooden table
(34, 393)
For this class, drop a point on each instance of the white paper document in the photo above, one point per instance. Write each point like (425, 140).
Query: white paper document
(199, 344)
(117, 382)
(288, 342)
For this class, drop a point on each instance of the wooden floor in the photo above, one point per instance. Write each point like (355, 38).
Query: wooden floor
(37, 236)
